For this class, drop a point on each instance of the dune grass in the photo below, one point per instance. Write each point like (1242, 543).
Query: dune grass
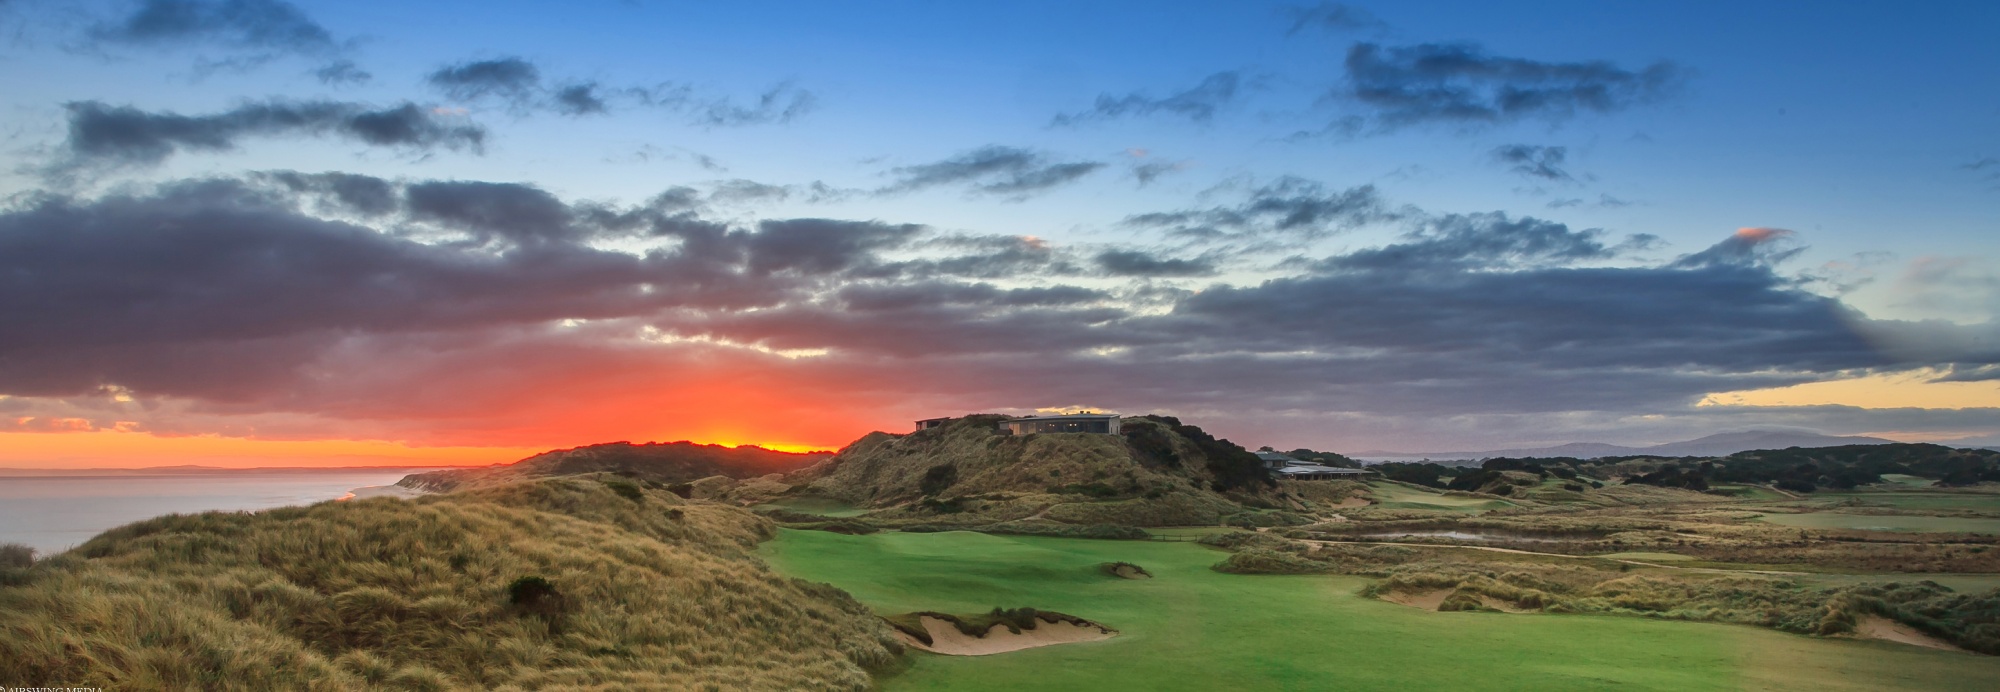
(1875, 522)
(1398, 496)
(1192, 628)
(822, 506)
(551, 583)
(1916, 499)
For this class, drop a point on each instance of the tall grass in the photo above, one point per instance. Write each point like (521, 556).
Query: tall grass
(655, 593)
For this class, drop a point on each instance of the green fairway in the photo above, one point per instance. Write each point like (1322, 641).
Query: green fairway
(1917, 500)
(1870, 522)
(1190, 628)
(825, 507)
(1398, 496)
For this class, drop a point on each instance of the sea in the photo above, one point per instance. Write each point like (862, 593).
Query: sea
(53, 513)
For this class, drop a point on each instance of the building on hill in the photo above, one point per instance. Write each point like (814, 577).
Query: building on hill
(1274, 460)
(929, 423)
(1101, 423)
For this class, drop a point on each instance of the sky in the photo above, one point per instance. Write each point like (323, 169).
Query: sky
(258, 232)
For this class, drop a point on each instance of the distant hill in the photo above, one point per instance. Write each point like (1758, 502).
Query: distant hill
(663, 462)
(1158, 466)
(1722, 444)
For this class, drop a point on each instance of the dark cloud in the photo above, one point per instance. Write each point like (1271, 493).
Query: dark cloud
(1534, 161)
(1489, 240)
(342, 73)
(780, 104)
(1462, 84)
(1148, 171)
(1290, 207)
(104, 135)
(580, 99)
(511, 80)
(1603, 201)
(1198, 103)
(992, 170)
(1331, 17)
(272, 25)
(1139, 263)
(356, 302)
(342, 193)
(1987, 168)
(517, 83)
(219, 289)
(1746, 247)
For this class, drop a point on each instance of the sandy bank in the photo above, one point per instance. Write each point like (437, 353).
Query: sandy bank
(946, 639)
(1885, 629)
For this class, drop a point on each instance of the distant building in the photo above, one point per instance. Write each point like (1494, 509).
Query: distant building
(929, 423)
(1304, 471)
(1101, 423)
(1285, 467)
(1275, 461)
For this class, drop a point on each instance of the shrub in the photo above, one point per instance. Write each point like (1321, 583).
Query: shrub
(938, 478)
(530, 591)
(1267, 561)
(16, 556)
(1124, 570)
(626, 489)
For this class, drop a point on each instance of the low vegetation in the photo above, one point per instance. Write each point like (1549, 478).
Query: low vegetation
(658, 463)
(550, 583)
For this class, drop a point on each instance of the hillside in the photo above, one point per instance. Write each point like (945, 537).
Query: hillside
(1720, 444)
(576, 583)
(660, 462)
(1158, 470)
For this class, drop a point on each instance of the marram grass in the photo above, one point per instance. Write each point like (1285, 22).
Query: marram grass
(394, 594)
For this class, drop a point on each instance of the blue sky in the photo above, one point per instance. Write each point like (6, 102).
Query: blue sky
(1858, 128)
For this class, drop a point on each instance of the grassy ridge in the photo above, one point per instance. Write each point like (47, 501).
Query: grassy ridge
(1192, 628)
(649, 593)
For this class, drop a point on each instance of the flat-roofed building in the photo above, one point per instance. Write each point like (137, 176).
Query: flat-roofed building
(929, 423)
(1101, 423)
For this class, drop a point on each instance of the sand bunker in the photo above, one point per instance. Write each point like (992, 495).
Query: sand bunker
(1878, 627)
(947, 640)
(1500, 605)
(1427, 600)
(1126, 570)
(1353, 502)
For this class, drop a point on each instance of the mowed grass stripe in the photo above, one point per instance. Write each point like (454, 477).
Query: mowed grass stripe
(1191, 628)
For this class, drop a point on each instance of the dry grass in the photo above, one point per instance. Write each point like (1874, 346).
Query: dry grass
(396, 594)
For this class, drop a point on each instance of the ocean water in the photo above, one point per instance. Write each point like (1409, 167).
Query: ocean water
(56, 513)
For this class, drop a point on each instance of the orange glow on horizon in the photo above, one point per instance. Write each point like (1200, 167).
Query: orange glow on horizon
(1916, 389)
(112, 449)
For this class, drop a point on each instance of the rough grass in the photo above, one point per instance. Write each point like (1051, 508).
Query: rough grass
(1971, 621)
(1193, 628)
(385, 593)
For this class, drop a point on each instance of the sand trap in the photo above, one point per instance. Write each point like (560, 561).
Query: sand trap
(947, 640)
(1353, 502)
(1130, 572)
(1878, 627)
(1428, 600)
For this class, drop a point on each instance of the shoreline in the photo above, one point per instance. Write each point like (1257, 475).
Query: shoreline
(372, 491)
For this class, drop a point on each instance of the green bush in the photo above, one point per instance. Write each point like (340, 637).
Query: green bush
(626, 489)
(16, 556)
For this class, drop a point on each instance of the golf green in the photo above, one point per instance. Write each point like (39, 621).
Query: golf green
(1191, 628)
